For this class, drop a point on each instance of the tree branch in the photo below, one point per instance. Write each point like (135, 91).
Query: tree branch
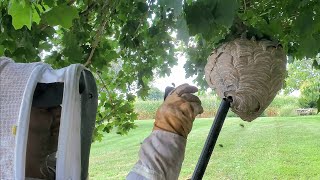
(86, 11)
(105, 86)
(71, 2)
(98, 36)
(108, 92)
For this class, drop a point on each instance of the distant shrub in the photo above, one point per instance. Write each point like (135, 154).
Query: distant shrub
(310, 93)
(281, 106)
(287, 111)
(231, 114)
(210, 104)
(147, 109)
(281, 101)
(272, 112)
(155, 94)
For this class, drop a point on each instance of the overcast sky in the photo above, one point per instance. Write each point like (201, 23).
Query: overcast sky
(177, 76)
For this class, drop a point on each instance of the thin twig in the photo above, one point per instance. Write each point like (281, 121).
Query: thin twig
(43, 27)
(71, 2)
(98, 36)
(86, 11)
(108, 92)
(105, 86)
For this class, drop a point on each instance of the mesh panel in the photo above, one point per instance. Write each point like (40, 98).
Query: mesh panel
(13, 81)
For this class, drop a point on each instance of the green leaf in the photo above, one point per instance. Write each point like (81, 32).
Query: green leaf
(305, 23)
(142, 7)
(315, 64)
(1, 50)
(225, 12)
(154, 30)
(175, 4)
(309, 46)
(45, 46)
(111, 55)
(318, 104)
(21, 13)
(72, 48)
(49, 2)
(203, 19)
(61, 15)
(35, 16)
(183, 32)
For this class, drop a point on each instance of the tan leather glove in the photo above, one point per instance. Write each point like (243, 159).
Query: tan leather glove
(178, 111)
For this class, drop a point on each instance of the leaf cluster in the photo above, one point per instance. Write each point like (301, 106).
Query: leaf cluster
(128, 42)
(304, 77)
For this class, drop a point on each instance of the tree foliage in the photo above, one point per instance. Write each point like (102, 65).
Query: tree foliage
(155, 94)
(126, 42)
(310, 93)
(303, 77)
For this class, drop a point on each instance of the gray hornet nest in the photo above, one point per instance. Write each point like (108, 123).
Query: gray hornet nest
(251, 72)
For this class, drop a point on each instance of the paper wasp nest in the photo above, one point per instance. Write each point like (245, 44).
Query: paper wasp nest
(251, 72)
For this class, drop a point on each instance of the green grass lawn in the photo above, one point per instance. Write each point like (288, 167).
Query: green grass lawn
(267, 148)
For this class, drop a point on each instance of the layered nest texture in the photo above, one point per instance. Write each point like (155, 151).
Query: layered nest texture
(249, 71)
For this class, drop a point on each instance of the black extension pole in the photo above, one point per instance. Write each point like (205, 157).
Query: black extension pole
(211, 139)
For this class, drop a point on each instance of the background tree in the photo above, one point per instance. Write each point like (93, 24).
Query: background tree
(304, 78)
(155, 94)
(310, 92)
(126, 42)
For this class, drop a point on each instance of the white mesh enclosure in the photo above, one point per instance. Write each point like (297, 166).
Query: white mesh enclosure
(13, 82)
(251, 72)
(26, 86)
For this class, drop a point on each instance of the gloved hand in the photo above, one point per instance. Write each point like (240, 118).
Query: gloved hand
(178, 111)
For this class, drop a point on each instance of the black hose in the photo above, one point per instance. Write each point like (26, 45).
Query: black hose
(211, 139)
